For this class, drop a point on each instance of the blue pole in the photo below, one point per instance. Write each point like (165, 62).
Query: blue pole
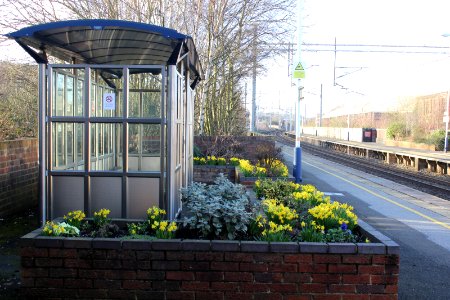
(298, 165)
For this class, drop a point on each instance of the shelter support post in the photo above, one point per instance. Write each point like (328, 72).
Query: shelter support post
(42, 141)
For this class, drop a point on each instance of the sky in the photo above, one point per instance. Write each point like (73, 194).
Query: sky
(378, 80)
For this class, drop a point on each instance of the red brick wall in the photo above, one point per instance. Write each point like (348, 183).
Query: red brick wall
(174, 269)
(18, 175)
(207, 174)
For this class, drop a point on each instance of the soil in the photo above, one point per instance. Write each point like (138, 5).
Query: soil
(11, 229)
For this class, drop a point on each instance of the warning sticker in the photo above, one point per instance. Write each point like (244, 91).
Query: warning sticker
(109, 101)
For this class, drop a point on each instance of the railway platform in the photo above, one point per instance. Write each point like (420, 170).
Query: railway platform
(417, 221)
(418, 159)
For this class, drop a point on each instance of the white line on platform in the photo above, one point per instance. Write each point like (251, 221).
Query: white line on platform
(332, 194)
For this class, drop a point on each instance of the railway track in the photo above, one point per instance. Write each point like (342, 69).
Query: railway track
(431, 184)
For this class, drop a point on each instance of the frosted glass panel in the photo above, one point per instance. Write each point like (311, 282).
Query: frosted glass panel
(106, 192)
(67, 194)
(151, 163)
(142, 194)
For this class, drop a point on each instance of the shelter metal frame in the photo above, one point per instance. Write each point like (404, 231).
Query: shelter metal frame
(83, 154)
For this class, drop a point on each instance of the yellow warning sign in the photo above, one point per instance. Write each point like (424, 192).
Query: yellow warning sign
(299, 72)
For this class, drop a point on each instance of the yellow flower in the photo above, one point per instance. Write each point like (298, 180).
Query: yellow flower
(163, 225)
(102, 213)
(155, 225)
(172, 227)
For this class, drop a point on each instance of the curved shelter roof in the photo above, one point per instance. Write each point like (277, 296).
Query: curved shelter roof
(112, 42)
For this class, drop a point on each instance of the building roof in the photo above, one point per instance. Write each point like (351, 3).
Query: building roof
(113, 42)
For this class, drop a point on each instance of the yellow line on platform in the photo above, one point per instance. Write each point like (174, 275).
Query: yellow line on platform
(383, 197)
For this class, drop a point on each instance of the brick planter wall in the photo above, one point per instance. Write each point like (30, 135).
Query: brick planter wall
(191, 269)
(207, 174)
(19, 170)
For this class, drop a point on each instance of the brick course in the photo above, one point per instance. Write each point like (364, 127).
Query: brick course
(18, 175)
(166, 270)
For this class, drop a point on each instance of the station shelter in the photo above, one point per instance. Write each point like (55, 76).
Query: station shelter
(116, 103)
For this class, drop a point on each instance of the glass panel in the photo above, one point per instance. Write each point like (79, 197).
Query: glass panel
(67, 195)
(144, 147)
(106, 92)
(106, 147)
(151, 104)
(67, 146)
(106, 192)
(79, 97)
(134, 105)
(79, 146)
(142, 193)
(58, 102)
(68, 92)
(69, 95)
(145, 93)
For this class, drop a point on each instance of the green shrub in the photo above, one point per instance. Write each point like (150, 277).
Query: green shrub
(397, 130)
(310, 234)
(338, 235)
(198, 151)
(278, 169)
(437, 138)
(274, 189)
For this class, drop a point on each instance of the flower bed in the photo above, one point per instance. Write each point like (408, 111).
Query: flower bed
(105, 268)
(207, 168)
(294, 242)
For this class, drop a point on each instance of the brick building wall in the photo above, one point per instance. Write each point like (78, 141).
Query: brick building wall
(18, 175)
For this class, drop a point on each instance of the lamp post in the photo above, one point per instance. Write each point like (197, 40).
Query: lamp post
(299, 73)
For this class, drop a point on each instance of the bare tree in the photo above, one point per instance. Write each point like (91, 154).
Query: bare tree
(223, 30)
(18, 100)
